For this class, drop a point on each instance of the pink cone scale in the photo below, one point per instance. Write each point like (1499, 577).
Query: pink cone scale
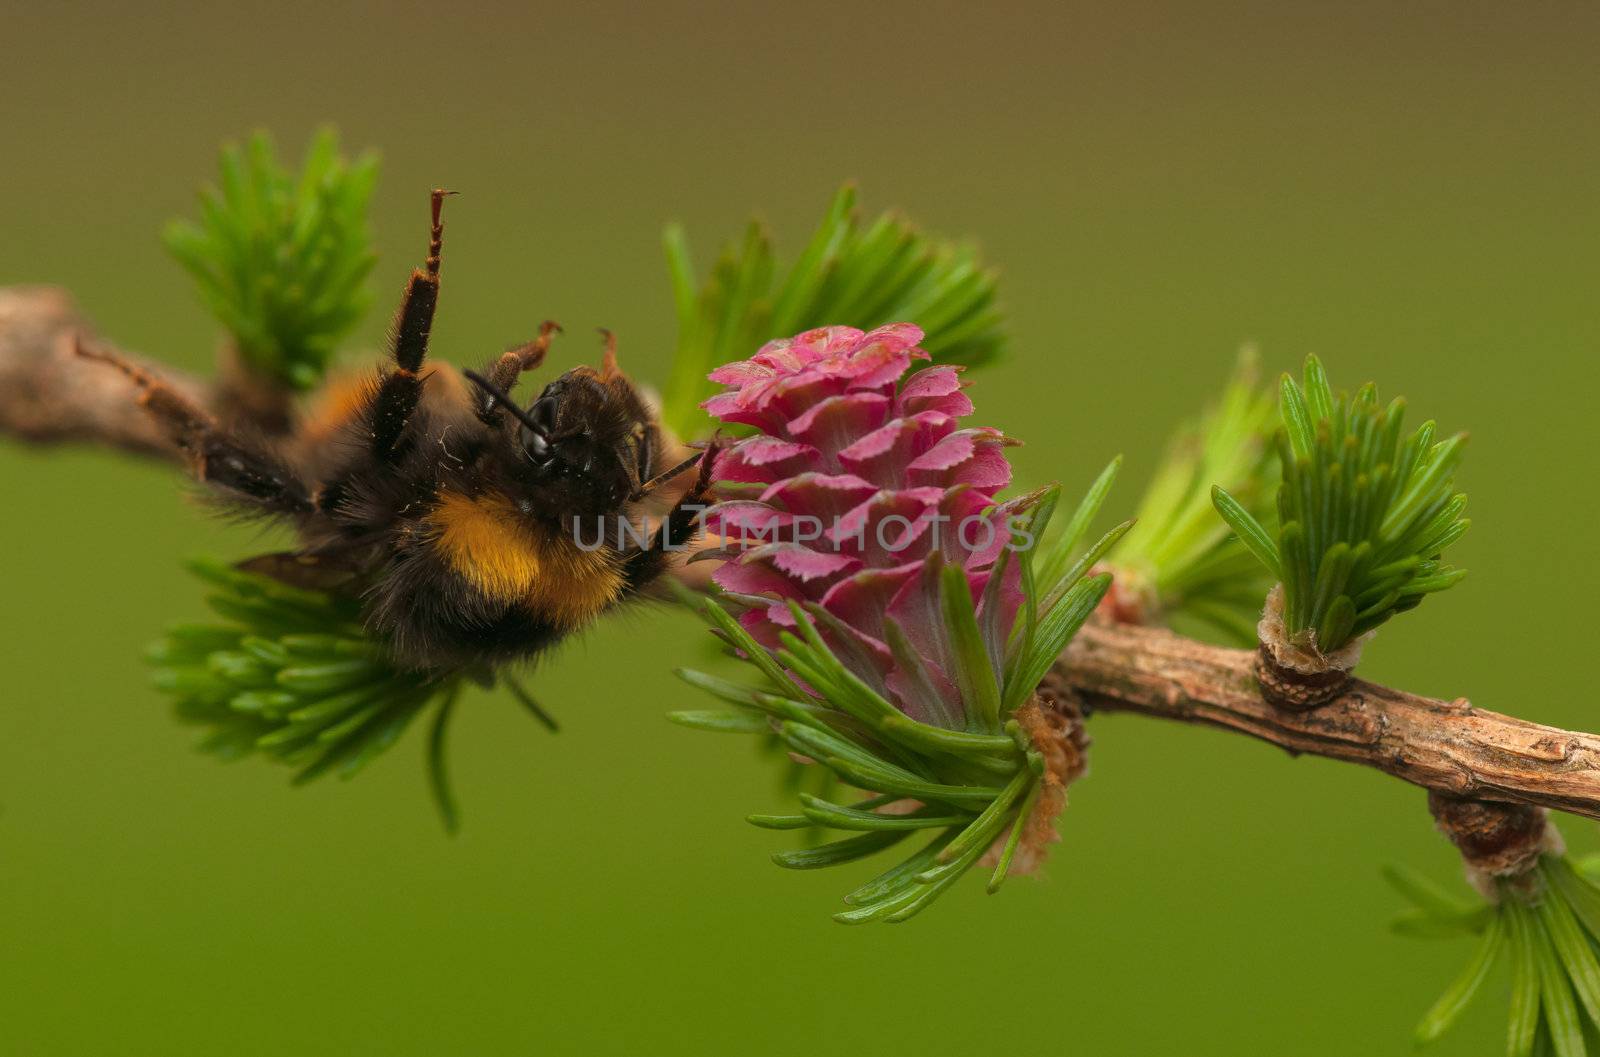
(898, 611)
(860, 488)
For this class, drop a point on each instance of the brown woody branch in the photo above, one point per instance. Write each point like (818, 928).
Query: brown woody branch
(48, 395)
(1450, 747)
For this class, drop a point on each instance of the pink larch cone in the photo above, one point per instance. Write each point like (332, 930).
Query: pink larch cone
(859, 487)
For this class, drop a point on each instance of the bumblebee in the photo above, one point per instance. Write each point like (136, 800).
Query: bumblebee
(465, 522)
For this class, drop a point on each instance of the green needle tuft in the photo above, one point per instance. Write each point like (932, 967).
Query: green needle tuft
(1179, 562)
(1365, 514)
(1545, 926)
(291, 674)
(850, 274)
(282, 260)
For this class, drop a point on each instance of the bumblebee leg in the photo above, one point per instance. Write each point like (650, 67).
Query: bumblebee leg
(526, 700)
(505, 371)
(678, 527)
(608, 359)
(401, 388)
(243, 470)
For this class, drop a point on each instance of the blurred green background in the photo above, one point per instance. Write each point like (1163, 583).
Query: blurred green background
(1410, 193)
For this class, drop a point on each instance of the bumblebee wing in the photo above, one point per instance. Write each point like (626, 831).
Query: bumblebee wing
(309, 572)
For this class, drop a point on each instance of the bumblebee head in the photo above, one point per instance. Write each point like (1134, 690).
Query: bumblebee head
(592, 437)
(586, 444)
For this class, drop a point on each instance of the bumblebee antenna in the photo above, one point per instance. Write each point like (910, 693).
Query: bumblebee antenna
(504, 400)
(662, 478)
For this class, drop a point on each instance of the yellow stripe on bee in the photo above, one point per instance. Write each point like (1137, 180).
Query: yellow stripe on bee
(491, 546)
(336, 403)
(347, 394)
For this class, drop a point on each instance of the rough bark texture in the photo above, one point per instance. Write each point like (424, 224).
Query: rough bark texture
(1296, 691)
(47, 395)
(1448, 746)
(1299, 677)
(1496, 840)
(50, 395)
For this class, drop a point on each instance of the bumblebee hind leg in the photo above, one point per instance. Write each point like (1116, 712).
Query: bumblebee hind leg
(396, 398)
(526, 700)
(243, 472)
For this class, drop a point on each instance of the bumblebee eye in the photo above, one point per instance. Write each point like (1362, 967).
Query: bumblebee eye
(644, 461)
(543, 413)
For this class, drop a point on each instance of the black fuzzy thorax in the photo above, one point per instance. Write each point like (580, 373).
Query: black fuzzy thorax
(370, 526)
